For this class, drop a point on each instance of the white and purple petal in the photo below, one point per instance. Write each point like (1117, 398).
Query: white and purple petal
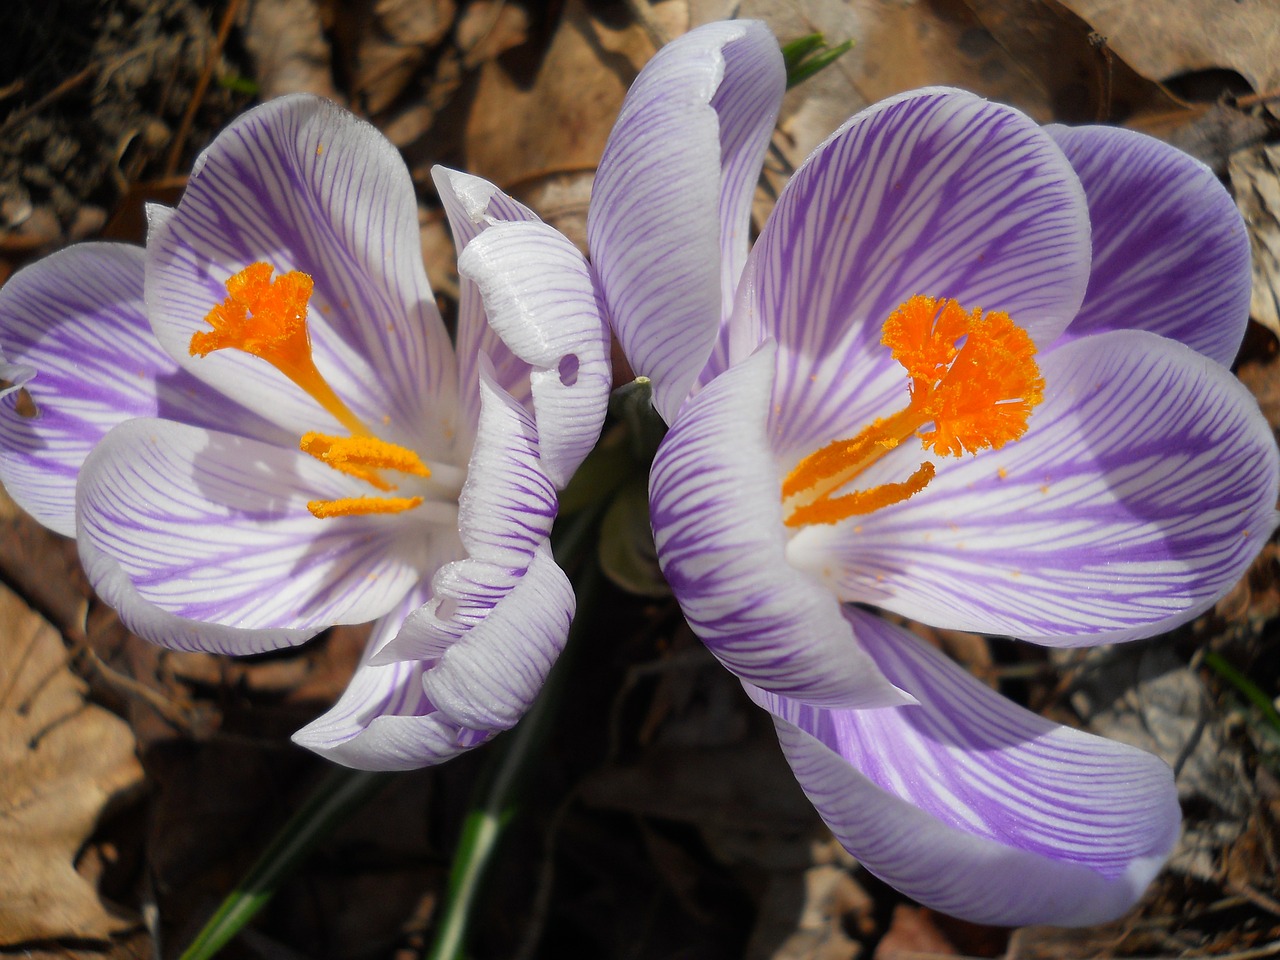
(1139, 495)
(489, 676)
(670, 207)
(1170, 249)
(505, 513)
(472, 204)
(215, 527)
(384, 720)
(540, 299)
(76, 322)
(165, 629)
(974, 806)
(717, 524)
(935, 192)
(303, 185)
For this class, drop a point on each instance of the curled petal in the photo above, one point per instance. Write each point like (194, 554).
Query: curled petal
(1170, 249)
(75, 326)
(504, 518)
(715, 505)
(213, 527)
(974, 806)
(472, 205)
(935, 193)
(384, 720)
(540, 300)
(489, 676)
(671, 203)
(1142, 491)
(303, 185)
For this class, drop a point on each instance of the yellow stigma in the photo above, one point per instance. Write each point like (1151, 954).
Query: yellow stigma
(974, 382)
(268, 319)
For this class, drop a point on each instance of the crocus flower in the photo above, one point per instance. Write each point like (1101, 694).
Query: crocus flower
(972, 372)
(258, 427)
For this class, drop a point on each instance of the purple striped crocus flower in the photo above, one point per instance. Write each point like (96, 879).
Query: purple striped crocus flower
(258, 427)
(973, 372)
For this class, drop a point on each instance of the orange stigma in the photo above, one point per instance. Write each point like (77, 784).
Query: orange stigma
(974, 382)
(268, 319)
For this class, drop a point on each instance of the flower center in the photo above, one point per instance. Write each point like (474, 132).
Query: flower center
(974, 382)
(267, 319)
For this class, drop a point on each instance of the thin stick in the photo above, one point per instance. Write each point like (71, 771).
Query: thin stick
(197, 96)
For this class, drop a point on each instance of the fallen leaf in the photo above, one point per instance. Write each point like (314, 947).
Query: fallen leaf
(65, 760)
(291, 55)
(1144, 695)
(1255, 180)
(533, 119)
(1163, 40)
(393, 45)
(489, 28)
(1085, 79)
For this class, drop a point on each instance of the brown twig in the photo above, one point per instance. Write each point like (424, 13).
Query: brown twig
(1253, 99)
(61, 90)
(197, 95)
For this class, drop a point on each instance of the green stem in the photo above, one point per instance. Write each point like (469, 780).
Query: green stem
(512, 760)
(1250, 690)
(340, 793)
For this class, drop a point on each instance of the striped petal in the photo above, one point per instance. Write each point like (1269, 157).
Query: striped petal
(76, 320)
(974, 806)
(489, 676)
(150, 622)
(505, 514)
(303, 185)
(471, 205)
(541, 301)
(214, 527)
(935, 192)
(1170, 250)
(670, 208)
(1142, 491)
(384, 720)
(717, 525)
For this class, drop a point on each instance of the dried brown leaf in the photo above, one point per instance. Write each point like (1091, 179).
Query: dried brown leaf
(523, 128)
(1084, 78)
(290, 52)
(414, 22)
(1162, 40)
(489, 28)
(1255, 179)
(64, 761)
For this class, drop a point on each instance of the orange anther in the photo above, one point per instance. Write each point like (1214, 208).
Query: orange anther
(363, 457)
(355, 506)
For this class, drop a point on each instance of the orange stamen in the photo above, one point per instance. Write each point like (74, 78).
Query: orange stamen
(268, 319)
(363, 457)
(355, 506)
(973, 377)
